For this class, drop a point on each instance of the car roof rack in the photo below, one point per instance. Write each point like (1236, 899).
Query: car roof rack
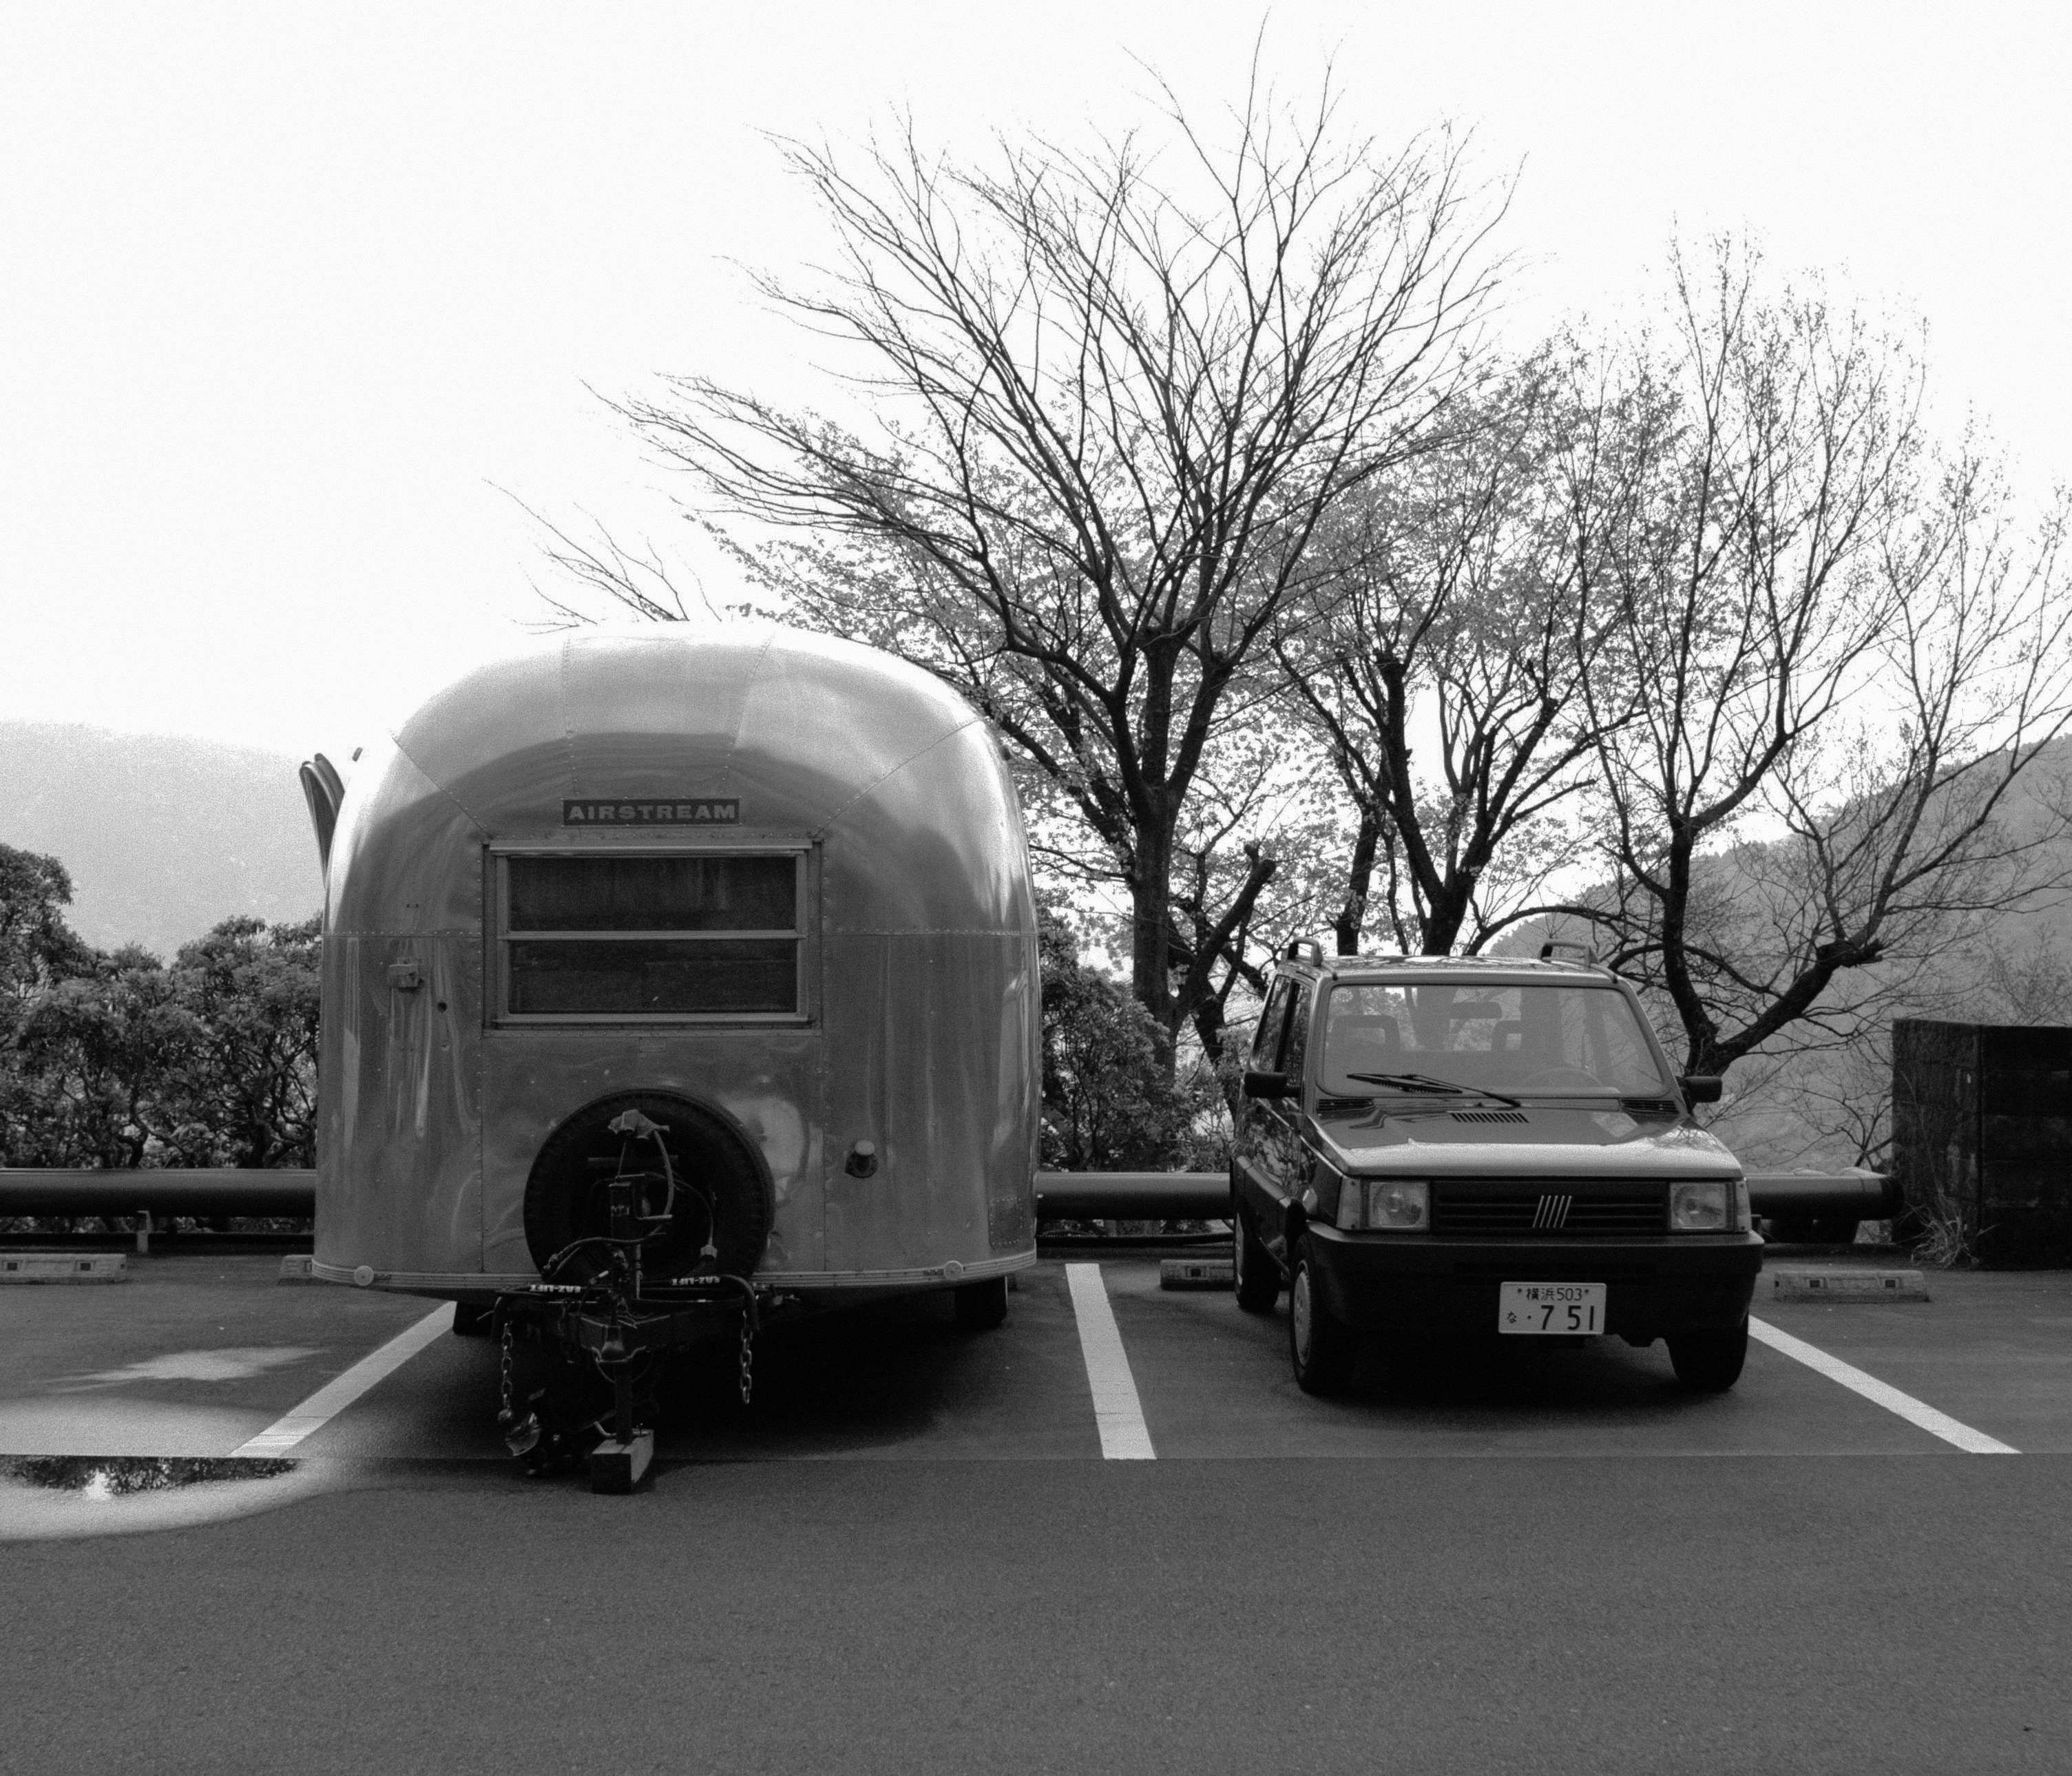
(1512, 964)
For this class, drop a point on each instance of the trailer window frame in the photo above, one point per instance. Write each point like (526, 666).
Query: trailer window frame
(804, 935)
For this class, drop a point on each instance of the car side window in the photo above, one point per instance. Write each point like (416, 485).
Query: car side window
(1298, 1036)
(1266, 1042)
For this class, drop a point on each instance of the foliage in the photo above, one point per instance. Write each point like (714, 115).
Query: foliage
(1111, 1101)
(1300, 606)
(1113, 394)
(114, 1058)
(1441, 663)
(1825, 630)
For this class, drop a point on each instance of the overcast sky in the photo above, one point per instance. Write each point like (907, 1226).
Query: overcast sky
(291, 293)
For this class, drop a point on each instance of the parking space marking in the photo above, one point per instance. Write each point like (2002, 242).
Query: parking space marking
(1913, 1411)
(1118, 1414)
(329, 1401)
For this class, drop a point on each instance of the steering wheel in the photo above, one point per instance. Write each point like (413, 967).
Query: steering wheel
(1563, 1075)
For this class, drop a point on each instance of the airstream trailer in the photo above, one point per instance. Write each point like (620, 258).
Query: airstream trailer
(671, 981)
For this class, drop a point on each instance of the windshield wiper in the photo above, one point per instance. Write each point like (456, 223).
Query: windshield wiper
(1425, 1082)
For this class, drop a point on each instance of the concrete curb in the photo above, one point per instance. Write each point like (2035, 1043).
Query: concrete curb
(1833, 1286)
(63, 1267)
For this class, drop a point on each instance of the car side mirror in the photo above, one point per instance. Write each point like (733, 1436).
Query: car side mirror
(1699, 1087)
(1265, 1085)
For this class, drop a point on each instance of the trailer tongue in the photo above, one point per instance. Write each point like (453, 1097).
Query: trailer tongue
(604, 1337)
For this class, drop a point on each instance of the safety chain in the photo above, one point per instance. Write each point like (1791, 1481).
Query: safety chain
(747, 1359)
(505, 1396)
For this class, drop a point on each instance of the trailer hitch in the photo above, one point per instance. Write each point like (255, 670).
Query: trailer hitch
(604, 1330)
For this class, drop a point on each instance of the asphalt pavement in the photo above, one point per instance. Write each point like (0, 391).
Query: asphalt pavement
(909, 1552)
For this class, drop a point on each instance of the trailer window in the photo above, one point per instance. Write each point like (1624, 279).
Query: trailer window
(617, 936)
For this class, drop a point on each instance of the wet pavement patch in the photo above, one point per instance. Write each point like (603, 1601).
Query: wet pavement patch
(124, 1476)
(46, 1497)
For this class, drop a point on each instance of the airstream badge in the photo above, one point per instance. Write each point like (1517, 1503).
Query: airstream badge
(689, 812)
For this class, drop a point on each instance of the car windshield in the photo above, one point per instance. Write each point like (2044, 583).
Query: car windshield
(1552, 1039)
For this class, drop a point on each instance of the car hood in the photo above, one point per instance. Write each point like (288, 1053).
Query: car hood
(1595, 1140)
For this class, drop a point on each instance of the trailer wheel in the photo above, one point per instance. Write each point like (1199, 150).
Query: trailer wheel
(982, 1306)
(723, 1198)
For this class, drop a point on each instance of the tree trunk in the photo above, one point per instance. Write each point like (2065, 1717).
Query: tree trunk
(1359, 882)
(1151, 908)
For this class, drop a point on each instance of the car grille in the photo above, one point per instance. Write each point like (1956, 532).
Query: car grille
(1553, 1210)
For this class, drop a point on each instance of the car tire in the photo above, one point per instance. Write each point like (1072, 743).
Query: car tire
(1709, 1362)
(1255, 1277)
(1320, 1347)
(982, 1306)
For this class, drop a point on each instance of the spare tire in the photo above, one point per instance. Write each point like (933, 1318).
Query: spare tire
(723, 1195)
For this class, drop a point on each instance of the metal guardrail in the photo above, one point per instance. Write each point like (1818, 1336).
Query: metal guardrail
(1854, 1195)
(168, 1190)
(1060, 1196)
(1132, 1196)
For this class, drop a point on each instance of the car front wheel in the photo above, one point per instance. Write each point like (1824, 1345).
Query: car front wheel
(1252, 1271)
(1709, 1362)
(1320, 1347)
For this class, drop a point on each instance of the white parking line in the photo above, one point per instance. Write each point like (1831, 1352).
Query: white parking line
(1118, 1414)
(329, 1401)
(1913, 1411)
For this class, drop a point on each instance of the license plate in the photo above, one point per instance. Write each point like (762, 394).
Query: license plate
(1554, 1310)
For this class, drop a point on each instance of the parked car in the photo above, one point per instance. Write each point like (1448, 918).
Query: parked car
(1471, 1146)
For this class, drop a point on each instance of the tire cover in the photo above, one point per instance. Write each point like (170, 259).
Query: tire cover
(566, 1198)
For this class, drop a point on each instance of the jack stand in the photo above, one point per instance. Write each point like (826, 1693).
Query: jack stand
(617, 1464)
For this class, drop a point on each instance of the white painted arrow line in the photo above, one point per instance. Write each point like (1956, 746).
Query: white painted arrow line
(329, 1401)
(1914, 1412)
(1118, 1414)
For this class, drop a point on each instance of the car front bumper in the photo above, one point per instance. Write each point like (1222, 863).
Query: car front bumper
(1697, 1282)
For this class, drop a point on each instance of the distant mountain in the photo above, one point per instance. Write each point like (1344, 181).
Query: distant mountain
(164, 835)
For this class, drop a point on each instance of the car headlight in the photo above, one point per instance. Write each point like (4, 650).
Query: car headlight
(1708, 1206)
(1386, 1205)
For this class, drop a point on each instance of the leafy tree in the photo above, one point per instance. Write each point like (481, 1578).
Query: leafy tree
(1115, 397)
(97, 1048)
(37, 949)
(1441, 668)
(1110, 1101)
(36, 945)
(1822, 628)
(245, 1090)
(115, 1059)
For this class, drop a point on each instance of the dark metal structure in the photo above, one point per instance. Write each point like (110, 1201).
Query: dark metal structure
(1982, 1137)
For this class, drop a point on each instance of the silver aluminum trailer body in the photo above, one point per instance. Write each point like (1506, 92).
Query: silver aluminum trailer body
(871, 1040)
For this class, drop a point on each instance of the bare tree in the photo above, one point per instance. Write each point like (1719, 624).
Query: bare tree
(1443, 671)
(1845, 659)
(1115, 399)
